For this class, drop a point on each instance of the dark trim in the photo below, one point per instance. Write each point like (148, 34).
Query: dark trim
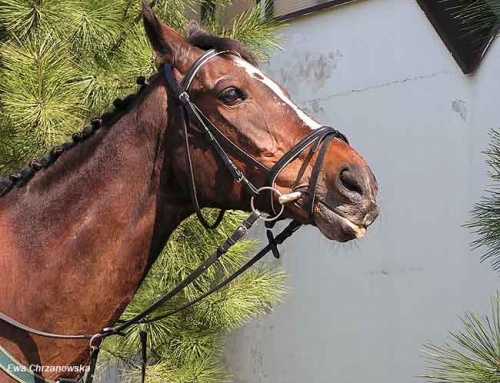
(314, 8)
(463, 47)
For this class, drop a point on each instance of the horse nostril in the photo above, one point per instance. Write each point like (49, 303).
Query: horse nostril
(348, 180)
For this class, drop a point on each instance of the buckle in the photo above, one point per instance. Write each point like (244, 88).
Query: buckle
(184, 97)
(239, 176)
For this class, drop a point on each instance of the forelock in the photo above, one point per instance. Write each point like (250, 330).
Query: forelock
(202, 39)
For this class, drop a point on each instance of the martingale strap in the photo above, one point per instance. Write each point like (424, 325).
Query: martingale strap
(31, 330)
(278, 240)
(239, 233)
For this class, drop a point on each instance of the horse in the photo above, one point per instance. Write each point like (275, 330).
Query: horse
(80, 228)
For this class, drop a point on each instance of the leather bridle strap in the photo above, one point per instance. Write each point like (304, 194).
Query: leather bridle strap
(311, 191)
(20, 326)
(278, 240)
(192, 182)
(239, 233)
(190, 111)
(317, 136)
(211, 132)
(217, 134)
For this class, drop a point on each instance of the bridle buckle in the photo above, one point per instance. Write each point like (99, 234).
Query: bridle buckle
(239, 176)
(184, 97)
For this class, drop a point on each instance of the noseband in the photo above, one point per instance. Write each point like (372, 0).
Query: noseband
(319, 139)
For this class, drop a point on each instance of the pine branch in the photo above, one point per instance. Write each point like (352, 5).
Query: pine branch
(478, 19)
(97, 26)
(38, 93)
(485, 220)
(256, 29)
(207, 370)
(474, 354)
(22, 18)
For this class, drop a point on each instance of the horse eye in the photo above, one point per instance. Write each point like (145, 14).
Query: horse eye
(231, 96)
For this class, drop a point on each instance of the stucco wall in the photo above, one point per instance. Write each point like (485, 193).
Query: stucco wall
(361, 311)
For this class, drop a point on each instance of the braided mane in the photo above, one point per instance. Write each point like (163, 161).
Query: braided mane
(22, 177)
(194, 35)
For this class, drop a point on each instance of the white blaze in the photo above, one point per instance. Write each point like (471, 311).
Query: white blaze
(259, 76)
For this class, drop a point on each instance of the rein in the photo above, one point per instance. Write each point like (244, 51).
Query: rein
(319, 139)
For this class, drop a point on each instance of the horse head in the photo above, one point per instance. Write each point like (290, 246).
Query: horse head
(332, 186)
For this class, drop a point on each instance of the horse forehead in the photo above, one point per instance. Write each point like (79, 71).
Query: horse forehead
(258, 75)
(254, 72)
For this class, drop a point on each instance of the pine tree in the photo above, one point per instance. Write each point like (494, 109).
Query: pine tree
(473, 354)
(188, 346)
(478, 20)
(62, 62)
(486, 214)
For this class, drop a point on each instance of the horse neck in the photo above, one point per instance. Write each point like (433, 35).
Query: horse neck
(91, 225)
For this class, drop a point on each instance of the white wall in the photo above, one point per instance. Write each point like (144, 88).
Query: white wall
(358, 312)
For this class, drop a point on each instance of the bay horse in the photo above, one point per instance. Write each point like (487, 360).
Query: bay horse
(80, 229)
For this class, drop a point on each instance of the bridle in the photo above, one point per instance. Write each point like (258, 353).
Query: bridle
(319, 139)
(189, 111)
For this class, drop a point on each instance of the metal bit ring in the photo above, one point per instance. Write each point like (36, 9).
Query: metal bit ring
(252, 203)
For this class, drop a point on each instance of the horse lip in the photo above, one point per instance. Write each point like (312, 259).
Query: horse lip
(333, 226)
(351, 222)
(359, 230)
(357, 227)
(358, 224)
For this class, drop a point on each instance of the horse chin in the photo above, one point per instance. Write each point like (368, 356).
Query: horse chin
(336, 227)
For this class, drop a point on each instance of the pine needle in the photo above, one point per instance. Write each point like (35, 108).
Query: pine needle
(473, 356)
(485, 220)
(478, 19)
(256, 29)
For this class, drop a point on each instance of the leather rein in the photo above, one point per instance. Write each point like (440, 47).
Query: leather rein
(319, 139)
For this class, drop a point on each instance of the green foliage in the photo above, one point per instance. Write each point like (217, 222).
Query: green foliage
(486, 214)
(479, 18)
(63, 62)
(38, 90)
(188, 346)
(473, 356)
(24, 17)
(255, 28)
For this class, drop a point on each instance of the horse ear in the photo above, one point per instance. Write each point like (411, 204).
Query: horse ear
(194, 29)
(165, 41)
